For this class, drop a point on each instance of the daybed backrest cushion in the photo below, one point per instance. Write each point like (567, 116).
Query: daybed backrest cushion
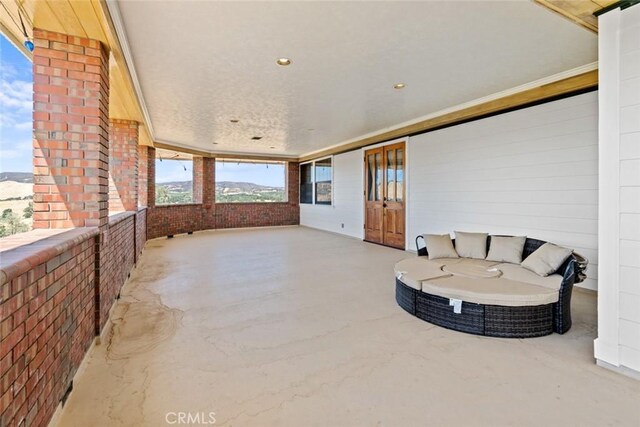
(546, 259)
(440, 246)
(471, 245)
(506, 249)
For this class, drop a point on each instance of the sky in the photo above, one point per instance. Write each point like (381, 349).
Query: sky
(16, 97)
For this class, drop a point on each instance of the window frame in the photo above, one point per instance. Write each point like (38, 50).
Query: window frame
(284, 163)
(314, 182)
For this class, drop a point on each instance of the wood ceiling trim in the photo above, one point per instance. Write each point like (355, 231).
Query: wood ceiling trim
(575, 84)
(83, 19)
(580, 12)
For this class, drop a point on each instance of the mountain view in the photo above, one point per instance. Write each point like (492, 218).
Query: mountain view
(226, 192)
(16, 197)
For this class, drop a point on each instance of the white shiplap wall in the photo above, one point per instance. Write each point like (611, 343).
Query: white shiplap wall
(629, 152)
(530, 172)
(348, 202)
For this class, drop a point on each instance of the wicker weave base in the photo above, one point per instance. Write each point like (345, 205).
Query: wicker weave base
(478, 319)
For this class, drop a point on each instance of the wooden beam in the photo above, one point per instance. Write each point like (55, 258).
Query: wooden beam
(566, 86)
(578, 11)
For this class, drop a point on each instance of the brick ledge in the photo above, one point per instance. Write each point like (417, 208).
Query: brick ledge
(25, 251)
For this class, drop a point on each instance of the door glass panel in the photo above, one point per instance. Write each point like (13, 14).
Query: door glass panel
(400, 175)
(378, 176)
(391, 176)
(370, 177)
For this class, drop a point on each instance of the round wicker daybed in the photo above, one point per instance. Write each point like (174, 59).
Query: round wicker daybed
(488, 298)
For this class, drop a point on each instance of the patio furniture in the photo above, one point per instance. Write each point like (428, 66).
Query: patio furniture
(491, 298)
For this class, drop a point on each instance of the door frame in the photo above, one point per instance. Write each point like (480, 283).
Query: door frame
(407, 166)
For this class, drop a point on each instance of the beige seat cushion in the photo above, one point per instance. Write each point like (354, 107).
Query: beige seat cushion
(498, 291)
(546, 259)
(521, 274)
(439, 246)
(471, 245)
(472, 270)
(479, 262)
(412, 271)
(506, 248)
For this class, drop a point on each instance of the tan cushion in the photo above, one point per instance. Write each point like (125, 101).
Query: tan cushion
(521, 274)
(498, 291)
(479, 262)
(440, 246)
(412, 271)
(506, 249)
(472, 270)
(546, 259)
(471, 245)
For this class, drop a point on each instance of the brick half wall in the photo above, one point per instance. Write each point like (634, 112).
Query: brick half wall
(46, 327)
(175, 219)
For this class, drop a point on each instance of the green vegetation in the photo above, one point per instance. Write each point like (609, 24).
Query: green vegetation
(253, 197)
(12, 223)
(172, 196)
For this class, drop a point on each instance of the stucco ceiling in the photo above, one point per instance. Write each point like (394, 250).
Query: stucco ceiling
(202, 64)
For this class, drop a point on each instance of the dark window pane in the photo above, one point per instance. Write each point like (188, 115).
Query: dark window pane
(306, 183)
(323, 181)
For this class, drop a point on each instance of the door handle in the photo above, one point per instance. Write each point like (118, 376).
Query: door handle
(384, 205)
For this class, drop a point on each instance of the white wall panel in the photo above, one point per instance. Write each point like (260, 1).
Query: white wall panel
(530, 172)
(347, 205)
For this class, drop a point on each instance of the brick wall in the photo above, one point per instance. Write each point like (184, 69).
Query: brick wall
(176, 219)
(237, 215)
(116, 260)
(123, 165)
(70, 122)
(46, 327)
(55, 296)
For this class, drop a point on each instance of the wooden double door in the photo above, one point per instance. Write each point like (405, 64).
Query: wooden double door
(384, 170)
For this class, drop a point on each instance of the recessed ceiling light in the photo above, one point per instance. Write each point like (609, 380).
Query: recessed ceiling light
(283, 61)
(256, 138)
(399, 86)
(234, 120)
(272, 147)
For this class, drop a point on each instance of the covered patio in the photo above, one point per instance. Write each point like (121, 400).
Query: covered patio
(221, 192)
(311, 335)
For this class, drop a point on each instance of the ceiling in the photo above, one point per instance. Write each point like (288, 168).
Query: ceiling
(202, 64)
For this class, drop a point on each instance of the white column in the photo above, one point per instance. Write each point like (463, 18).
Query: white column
(618, 342)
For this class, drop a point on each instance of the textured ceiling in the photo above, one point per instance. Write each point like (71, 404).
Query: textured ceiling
(201, 64)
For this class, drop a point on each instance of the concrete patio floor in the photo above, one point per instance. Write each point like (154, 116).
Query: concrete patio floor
(298, 327)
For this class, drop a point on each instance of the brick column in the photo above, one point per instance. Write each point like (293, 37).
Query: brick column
(209, 184)
(143, 174)
(293, 183)
(198, 178)
(70, 121)
(123, 165)
(151, 177)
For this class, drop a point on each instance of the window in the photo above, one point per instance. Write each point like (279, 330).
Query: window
(316, 182)
(16, 155)
(174, 181)
(306, 183)
(242, 181)
(323, 181)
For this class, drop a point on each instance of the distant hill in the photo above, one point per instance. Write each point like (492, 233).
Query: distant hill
(224, 186)
(22, 177)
